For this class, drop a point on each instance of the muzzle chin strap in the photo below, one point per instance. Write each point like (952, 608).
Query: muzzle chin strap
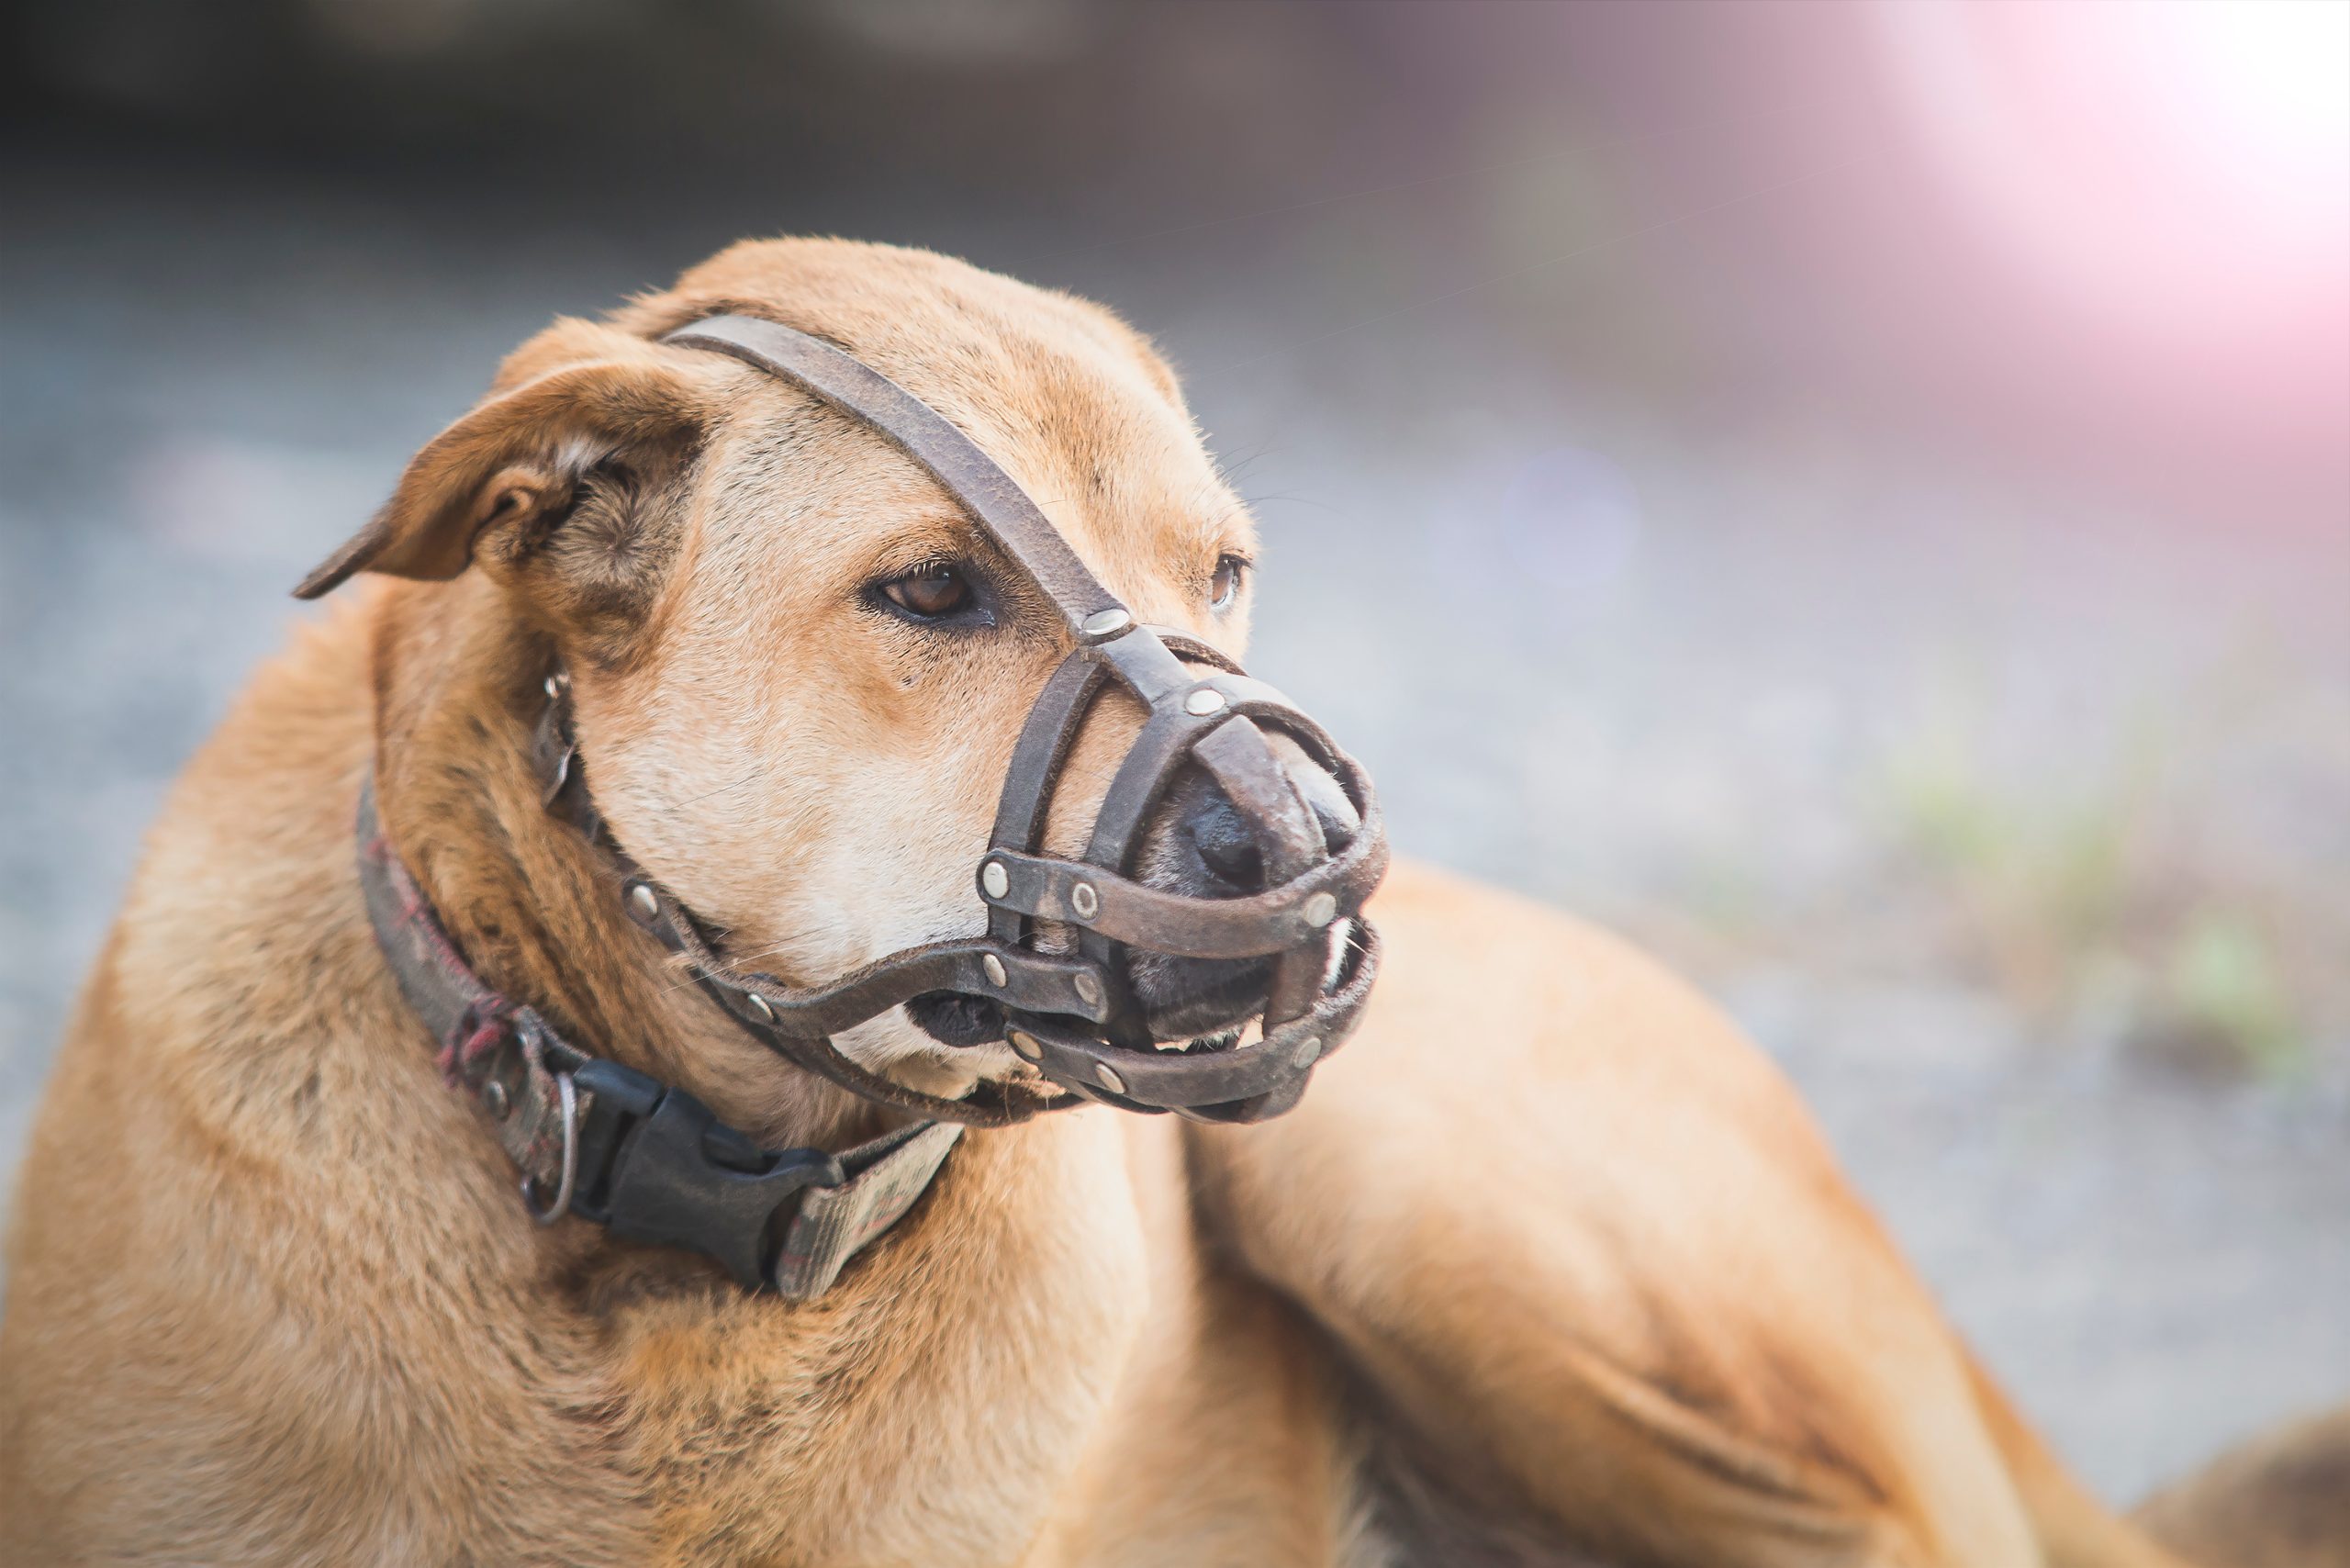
(648, 1162)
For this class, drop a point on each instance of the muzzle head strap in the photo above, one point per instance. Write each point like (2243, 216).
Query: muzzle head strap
(1075, 1016)
(982, 489)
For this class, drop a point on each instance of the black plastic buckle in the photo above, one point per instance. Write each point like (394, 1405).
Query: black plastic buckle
(656, 1165)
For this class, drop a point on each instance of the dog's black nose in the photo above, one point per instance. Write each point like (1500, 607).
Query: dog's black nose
(1220, 840)
(1200, 845)
(1224, 848)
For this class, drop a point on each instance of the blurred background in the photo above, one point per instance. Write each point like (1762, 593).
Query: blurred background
(1856, 495)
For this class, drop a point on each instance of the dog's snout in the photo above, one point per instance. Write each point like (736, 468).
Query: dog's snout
(1201, 845)
(1221, 846)
(1220, 840)
(1336, 814)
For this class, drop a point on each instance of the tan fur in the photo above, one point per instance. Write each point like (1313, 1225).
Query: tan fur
(2280, 1501)
(1551, 1260)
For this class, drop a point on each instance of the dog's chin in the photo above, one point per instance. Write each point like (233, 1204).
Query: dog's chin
(905, 1051)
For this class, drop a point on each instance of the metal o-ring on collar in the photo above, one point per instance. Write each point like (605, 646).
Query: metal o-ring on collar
(570, 1177)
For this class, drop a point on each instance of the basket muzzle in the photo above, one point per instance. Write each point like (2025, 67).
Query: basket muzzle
(1306, 921)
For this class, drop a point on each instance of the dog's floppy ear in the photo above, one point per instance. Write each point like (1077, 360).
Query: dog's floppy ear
(518, 460)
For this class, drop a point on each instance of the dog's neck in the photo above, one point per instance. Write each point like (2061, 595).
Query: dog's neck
(457, 681)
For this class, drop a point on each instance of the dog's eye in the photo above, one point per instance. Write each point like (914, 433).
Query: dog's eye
(930, 592)
(1224, 588)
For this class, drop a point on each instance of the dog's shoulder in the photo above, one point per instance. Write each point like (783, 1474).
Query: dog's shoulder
(250, 1132)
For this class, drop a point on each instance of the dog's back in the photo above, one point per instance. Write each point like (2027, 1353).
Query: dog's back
(2282, 1500)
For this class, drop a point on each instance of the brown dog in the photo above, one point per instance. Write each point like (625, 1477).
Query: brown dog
(1552, 1268)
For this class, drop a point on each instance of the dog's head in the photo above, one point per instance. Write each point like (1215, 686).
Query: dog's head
(797, 666)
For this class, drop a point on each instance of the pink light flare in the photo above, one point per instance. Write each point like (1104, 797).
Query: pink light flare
(2173, 174)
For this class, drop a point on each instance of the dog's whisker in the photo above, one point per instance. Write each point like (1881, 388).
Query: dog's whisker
(756, 770)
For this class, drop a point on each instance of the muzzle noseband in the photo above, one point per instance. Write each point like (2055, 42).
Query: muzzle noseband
(1074, 1017)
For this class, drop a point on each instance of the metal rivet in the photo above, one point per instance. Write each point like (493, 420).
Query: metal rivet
(993, 967)
(1309, 1050)
(1026, 1046)
(1089, 989)
(994, 880)
(1107, 1076)
(1085, 901)
(644, 900)
(759, 1006)
(494, 1097)
(1321, 909)
(1204, 702)
(1103, 622)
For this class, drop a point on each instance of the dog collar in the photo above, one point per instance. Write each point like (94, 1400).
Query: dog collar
(647, 1160)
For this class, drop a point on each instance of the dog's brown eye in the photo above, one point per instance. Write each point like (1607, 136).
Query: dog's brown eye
(1225, 586)
(929, 591)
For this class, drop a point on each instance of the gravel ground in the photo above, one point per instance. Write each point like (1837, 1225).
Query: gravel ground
(207, 382)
